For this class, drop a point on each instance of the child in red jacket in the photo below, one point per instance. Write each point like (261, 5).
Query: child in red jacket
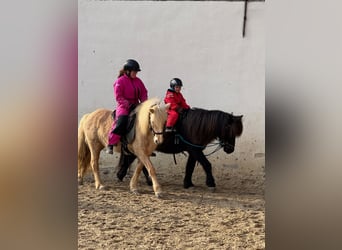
(178, 103)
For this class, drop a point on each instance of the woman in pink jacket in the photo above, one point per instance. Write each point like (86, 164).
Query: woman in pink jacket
(129, 91)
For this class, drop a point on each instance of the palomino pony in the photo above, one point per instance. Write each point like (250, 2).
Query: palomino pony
(196, 128)
(93, 137)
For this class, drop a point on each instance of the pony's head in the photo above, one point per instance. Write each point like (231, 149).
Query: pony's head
(158, 116)
(152, 118)
(231, 129)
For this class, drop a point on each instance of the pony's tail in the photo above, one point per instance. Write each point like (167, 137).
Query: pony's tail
(83, 152)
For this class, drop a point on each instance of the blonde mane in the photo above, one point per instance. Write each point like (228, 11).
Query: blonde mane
(143, 110)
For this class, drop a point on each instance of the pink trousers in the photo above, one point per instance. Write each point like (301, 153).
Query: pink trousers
(113, 138)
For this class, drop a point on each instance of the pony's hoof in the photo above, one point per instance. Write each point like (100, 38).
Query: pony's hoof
(158, 195)
(212, 189)
(188, 185)
(102, 187)
(135, 192)
(149, 182)
(120, 176)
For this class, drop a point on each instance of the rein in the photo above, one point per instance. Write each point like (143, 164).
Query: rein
(219, 144)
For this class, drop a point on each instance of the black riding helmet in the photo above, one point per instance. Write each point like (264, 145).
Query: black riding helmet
(131, 65)
(176, 82)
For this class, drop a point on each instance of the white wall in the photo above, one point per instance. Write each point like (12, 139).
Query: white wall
(199, 42)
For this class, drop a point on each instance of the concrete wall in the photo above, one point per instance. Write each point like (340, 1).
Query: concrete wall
(199, 42)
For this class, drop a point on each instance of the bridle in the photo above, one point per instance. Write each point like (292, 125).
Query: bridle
(226, 144)
(220, 144)
(151, 127)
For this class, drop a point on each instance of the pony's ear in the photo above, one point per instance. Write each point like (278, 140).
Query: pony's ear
(151, 110)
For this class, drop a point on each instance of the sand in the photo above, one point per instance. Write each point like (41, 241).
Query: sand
(232, 217)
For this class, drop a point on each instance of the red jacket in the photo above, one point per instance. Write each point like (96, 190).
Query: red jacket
(176, 99)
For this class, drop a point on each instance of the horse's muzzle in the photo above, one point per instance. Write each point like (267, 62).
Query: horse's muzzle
(228, 149)
(157, 139)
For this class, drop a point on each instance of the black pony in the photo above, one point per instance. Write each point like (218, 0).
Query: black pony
(196, 128)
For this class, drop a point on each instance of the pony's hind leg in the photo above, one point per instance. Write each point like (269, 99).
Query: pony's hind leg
(190, 166)
(94, 163)
(83, 165)
(80, 174)
(96, 172)
(83, 156)
(134, 180)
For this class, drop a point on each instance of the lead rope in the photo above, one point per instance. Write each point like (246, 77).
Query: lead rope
(219, 145)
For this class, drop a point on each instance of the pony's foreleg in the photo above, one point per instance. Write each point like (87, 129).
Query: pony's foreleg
(145, 160)
(147, 177)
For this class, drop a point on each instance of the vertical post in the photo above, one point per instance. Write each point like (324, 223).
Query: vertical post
(244, 19)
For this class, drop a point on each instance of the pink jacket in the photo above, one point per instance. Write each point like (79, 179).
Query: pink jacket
(128, 91)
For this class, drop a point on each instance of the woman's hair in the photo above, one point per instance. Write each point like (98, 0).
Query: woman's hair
(121, 72)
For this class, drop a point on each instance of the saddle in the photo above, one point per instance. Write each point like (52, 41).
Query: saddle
(129, 134)
(173, 138)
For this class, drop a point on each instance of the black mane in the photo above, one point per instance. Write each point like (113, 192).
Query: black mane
(202, 126)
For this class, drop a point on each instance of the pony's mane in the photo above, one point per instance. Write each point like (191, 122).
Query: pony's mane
(237, 127)
(143, 113)
(205, 125)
